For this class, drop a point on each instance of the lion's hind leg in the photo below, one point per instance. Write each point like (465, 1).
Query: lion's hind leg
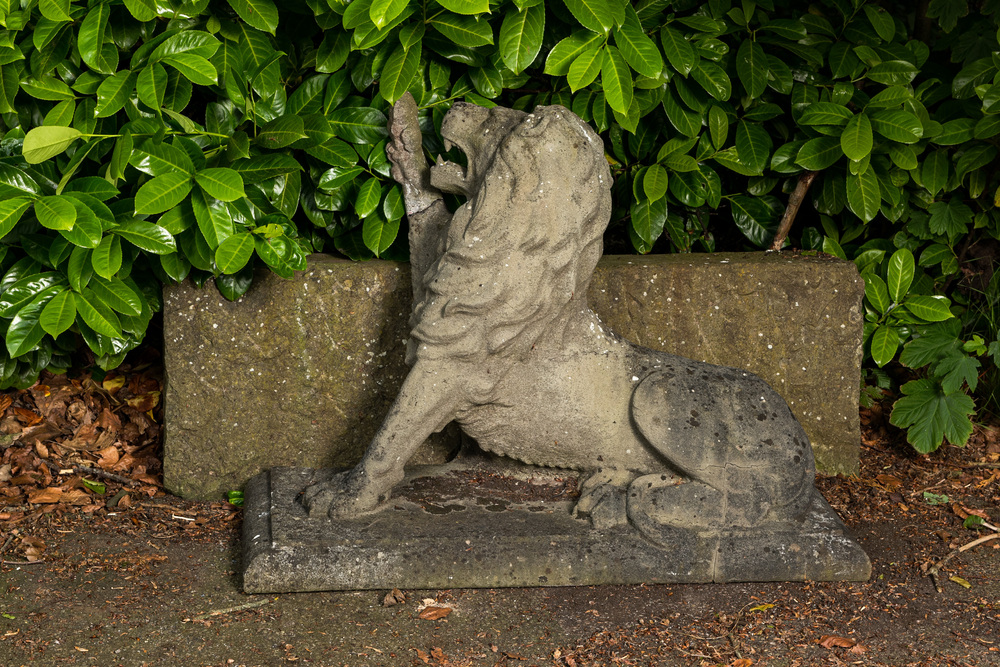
(602, 498)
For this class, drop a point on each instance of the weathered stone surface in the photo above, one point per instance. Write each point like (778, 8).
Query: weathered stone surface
(442, 532)
(795, 321)
(303, 371)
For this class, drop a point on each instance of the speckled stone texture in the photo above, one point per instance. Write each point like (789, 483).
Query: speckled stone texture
(302, 371)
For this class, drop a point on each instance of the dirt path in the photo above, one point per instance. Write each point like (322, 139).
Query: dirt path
(138, 587)
(101, 567)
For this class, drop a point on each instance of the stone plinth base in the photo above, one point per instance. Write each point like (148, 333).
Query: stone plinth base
(465, 525)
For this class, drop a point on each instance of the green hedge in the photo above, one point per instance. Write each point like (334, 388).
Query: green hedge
(146, 141)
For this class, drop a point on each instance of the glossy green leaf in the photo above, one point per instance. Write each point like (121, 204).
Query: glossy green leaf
(215, 221)
(46, 88)
(864, 195)
(892, 96)
(595, 15)
(466, 6)
(876, 292)
(221, 183)
(713, 79)
(825, 113)
(617, 80)
(563, 54)
(25, 331)
(55, 212)
(857, 139)
(369, 195)
(263, 167)
(392, 205)
(90, 39)
(41, 143)
(96, 314)
(751, 67)
(378, 234)
(54, 10)
(753, 145)
(521, 37)
(261, 14)
(901, 126)
(107, 257)
(147, 236)
(87, 231)
(194, 68)
(680, 54)
(118, 296)
(159, 159)
(903, 157)
(234, 253)
(336, 177)
(882, 21)
(359, 125)
(585, 68)
(648, 219)
(114, 92)
(463, 30)
(142, 10)
(162, 193)
(929, 308)
(151, 85)
(934, 171)
(58, 314)
(382, 12)
(11, 211)
(639, 51)
(398, 73)
(884, 343)
(900, 274)
(893, 72)
(718, 126)
(754, 218)
(654, 183)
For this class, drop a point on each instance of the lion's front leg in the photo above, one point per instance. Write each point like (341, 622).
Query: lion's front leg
(345, 495)
(426, 402)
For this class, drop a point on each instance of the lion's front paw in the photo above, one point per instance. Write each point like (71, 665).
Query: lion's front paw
(341, 497)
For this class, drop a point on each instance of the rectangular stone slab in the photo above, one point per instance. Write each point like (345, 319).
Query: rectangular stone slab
(303, 371)
(479, 534)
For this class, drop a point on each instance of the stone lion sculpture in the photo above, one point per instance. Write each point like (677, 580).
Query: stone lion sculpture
(504, 343)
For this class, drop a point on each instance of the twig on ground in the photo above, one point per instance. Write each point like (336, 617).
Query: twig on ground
(935, 569)
(21, 562)
(110, 476)
(6, 544)
(228, 610)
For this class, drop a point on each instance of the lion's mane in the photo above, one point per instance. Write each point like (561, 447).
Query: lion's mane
(520, 252)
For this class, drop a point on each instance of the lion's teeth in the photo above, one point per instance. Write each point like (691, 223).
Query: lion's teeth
(439, 161)
(448, 145)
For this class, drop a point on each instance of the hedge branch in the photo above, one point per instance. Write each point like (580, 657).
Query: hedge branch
(794, 202)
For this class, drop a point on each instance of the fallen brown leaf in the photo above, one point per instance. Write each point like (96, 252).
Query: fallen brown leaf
(53, 494)
(146, 402)
(434, 613)
(393, 597)
(741, 662)
(830, 641)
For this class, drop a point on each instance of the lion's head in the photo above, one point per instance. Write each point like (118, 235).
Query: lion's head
(525, 243)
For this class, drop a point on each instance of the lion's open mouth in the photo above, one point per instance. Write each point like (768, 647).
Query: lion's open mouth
(450, 176)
